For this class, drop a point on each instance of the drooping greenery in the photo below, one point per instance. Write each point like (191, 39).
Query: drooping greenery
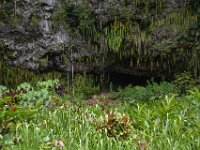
(8, 15)
(128, 40)
(12, 76)
(6, 11)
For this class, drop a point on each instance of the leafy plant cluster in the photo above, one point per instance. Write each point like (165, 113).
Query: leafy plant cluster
(117, 125)
(40, 93)
(184, 82)
(152, 91)
(21, 105)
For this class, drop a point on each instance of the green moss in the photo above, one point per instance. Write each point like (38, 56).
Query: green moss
(59, 17)
(11, 76)
(6, 11)
(34, 22)
(8, 15)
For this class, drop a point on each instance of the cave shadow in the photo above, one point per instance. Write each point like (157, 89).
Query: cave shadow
(119, 80)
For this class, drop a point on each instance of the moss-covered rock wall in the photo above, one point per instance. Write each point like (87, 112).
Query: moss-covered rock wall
(139, 37)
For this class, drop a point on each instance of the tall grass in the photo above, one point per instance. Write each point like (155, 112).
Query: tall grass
(152, 117)
(167, 124)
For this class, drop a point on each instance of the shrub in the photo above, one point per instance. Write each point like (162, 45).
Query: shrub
(131, 94)
(84, 85)
(151, 92)
(117, 125)
(32, 97)
(159, 91)
(3, 89)
(49, 84)
(24, 87)
(184, 82)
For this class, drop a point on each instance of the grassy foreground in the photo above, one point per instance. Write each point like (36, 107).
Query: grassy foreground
(156, 117)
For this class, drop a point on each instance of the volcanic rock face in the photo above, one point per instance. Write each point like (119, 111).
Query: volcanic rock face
(124, 36)
(33, 42)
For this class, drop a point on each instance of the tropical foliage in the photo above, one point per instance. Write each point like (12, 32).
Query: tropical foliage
(157, 116)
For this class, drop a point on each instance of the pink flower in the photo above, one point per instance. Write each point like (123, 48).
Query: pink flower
(59, 143)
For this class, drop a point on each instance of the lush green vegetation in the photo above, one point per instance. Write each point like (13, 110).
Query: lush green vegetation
(38, 113)
(158, 116)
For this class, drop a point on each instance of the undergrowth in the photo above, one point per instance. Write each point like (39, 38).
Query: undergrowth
(36, 116)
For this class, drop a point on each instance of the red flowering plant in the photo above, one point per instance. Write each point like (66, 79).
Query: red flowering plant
(11, 113)
(14, 107)
(116, 124)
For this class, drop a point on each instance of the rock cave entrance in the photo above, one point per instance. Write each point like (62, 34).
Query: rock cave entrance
(121, 80)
